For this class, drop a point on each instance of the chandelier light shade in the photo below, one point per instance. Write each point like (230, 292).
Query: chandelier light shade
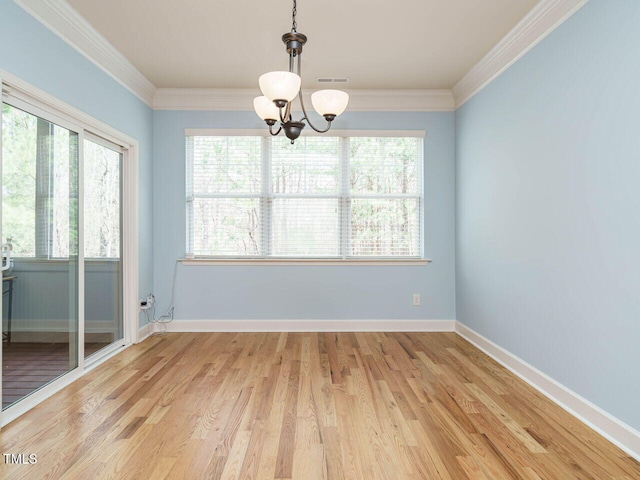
(329, 102)
(266, 109)
(280, 88)
(280, 85)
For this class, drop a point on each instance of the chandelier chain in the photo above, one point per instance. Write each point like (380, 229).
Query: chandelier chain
(294, 24)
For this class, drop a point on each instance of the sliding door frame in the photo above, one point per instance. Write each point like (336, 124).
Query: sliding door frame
(37, 102)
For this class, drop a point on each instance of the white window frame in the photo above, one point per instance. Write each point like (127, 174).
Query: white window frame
(23, 95)
(191, 259)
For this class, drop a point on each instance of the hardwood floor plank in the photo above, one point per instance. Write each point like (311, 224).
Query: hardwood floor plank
(306, 406)
(286, 443)
(515, 429)
(233, 466)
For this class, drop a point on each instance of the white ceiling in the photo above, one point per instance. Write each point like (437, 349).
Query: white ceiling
(377, 44)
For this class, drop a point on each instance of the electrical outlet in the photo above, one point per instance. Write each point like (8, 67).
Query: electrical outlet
(416, 299)
(147, 303)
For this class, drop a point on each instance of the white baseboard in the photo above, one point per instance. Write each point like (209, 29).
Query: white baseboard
(614, 430)
(144, 332)
(311, 326)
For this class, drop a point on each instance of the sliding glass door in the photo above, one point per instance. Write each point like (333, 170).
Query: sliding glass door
(68, 203)
(103, 308)
(40, 276)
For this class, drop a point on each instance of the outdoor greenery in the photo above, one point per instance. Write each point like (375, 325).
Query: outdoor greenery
(19, 149)
(385, 182)
(40, 190)
(101, 201)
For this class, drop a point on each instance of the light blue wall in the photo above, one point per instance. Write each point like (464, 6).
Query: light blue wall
(548, 207)
(548, 232)
(36, 55)
(302, 292)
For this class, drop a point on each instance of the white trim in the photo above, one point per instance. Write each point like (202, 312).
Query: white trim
(104, 354)
(261, 132)
(80, 327)
(328, 262)
(544, 17)
(37, 98)
(225, 99)
(64, 21)
(61, 18)
(614, 430)
(241, 99)
(93, 138)
(144, 332)
(129, 238)
(22, 100)
(310, 326)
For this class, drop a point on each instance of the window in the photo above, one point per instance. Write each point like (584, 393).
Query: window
(322, 197)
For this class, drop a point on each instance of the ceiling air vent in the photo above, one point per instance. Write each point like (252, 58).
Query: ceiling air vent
(332, 80)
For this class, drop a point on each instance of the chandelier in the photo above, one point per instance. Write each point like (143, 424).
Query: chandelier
(280, 88)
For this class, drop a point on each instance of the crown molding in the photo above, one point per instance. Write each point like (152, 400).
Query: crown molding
(433, 100)
(543, 18)
(59, 17)
(359, 100)
(64, 21)
(204, 99)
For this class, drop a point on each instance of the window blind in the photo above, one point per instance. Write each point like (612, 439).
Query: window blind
(225, 196)
(385, 181)
(323, 197)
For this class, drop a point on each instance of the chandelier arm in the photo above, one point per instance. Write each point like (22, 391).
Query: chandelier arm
(271, 130)
(306, 116)
(287, 113)
(304, 110)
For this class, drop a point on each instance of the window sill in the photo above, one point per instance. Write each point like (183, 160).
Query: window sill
(400, 262)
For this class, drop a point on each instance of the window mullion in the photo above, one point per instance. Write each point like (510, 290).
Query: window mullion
(266, 199)
(345, 200)
(420, 193)
(190, 196)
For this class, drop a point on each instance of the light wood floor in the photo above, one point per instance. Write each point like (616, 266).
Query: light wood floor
(306, 406)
